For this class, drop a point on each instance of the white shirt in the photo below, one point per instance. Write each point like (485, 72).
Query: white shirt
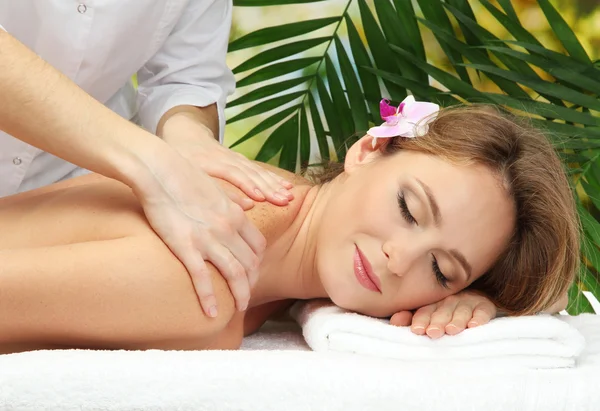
(177, 48)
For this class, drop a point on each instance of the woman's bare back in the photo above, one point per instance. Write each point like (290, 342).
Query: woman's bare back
(87, 208)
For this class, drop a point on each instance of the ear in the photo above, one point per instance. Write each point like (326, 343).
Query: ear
(364, 151)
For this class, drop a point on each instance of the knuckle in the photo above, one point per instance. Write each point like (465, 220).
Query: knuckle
(261, 244)
(225, 228)
(199, 272)
(207, 297)
(253, 263)
(463, 311)
(236, 214)
(424, 311)
(419, 320)
(235, 270)
(487, 310)
(441, 315)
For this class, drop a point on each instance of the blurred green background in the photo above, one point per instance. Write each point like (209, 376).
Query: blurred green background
(582, 15)
(311, 73)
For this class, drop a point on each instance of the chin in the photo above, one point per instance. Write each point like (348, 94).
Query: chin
(352, 303)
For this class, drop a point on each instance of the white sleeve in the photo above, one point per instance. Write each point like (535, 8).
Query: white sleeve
(190, 68)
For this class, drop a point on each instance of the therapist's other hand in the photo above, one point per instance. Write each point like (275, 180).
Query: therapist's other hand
(199, 222)
(196, 142)
(451, 315)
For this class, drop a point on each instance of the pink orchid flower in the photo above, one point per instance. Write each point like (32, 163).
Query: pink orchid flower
(403, 121)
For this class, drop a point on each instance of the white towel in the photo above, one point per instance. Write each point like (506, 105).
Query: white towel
(540, 341)
(279, 374)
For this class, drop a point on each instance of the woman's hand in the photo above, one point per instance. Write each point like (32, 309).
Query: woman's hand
(452, 315)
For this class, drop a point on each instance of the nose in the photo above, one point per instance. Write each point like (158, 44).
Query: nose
(401, 256)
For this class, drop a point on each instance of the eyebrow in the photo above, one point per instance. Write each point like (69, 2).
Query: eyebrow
(435, 209)
(437, 218)
(463, 261)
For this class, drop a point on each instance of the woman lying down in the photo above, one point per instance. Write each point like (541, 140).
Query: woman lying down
(475, 201)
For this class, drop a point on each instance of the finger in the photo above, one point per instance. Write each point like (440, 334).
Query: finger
(442, 316)
(401, 319)
(236, 175)
(287, 184)
(233, 272)
(421, 319)
(246, 256)
(483, 314)
(250, 178)
(462, 314)
(253, 237)
(244, 202)
(269, 184)
(201, 278)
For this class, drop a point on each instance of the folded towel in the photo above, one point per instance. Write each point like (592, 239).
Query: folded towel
(539, 341)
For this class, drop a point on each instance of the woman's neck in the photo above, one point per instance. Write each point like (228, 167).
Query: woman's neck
(289, 270)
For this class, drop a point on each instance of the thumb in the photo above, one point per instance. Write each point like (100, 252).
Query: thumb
(244, 202)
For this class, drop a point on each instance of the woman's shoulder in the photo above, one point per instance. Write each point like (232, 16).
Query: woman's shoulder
(270, 219)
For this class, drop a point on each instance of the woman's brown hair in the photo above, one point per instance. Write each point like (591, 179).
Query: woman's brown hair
(542, 257)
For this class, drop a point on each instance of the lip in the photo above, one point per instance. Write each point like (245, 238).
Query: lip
(364, 272)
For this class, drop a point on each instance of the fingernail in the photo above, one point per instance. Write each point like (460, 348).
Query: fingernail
(286, 193)
(473, 324)
(418, 328)
(259, 194)
(280, 197)
(212, 311)
(434, 332)
(452, 326)
(286, 183)
(243, 306)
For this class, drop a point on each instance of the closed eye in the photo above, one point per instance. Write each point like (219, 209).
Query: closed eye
(404, 209)
(439, 276)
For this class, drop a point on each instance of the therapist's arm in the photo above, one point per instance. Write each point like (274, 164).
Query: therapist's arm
(42, 107)
(182, 93)
(185, 207)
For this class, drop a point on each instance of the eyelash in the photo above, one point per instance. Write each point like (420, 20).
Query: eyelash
(404, 209)
(439, 276)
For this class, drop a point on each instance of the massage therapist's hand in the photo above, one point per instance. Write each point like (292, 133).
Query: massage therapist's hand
(451, 315)
(197, 143)
(215, 226)
(185, 207)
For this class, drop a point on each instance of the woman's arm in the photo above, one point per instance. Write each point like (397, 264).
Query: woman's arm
(127, 293)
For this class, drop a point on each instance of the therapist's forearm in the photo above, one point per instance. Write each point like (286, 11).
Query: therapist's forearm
(204, 119)
(42, 107)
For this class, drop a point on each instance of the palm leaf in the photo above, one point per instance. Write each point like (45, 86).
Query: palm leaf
(319, 87)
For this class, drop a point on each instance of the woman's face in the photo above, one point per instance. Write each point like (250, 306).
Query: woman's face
(409, 229)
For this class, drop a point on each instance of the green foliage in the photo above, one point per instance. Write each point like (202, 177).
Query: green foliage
(330, 96)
